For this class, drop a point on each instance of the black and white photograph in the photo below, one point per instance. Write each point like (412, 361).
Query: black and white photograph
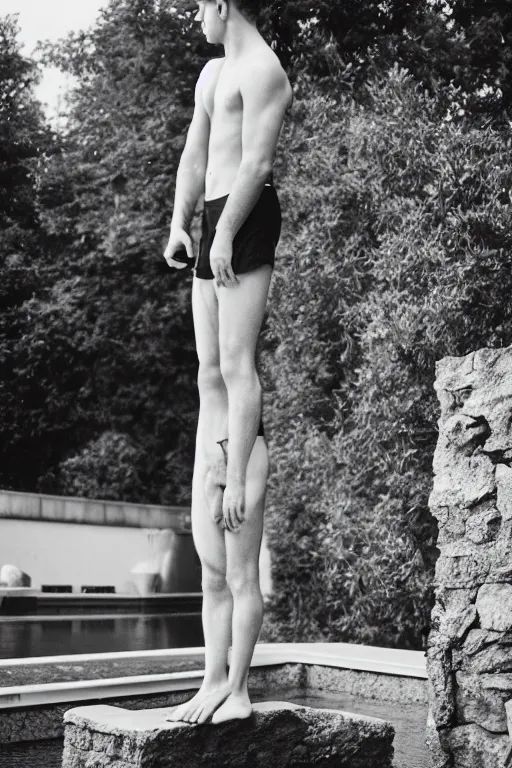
(256, 384)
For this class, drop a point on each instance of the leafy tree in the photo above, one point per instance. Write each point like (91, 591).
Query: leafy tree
(306, 34)
(459, 50)
(106, 468)
(395, 190)
(25, 139)
(110, 347)
(486, 68)
(395, 253)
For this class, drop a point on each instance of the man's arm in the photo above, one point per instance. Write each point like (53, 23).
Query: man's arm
(191, 174)
(264, 107)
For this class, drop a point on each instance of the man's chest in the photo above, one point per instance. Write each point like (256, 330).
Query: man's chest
(222, 97)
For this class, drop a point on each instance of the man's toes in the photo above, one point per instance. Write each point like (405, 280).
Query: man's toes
(196, 714)
(187, 715)
(203, 717)
(184, 712)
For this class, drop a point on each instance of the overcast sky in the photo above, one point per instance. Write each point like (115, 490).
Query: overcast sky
(49, 20)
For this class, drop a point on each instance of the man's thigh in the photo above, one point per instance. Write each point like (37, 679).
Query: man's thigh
(205, 311)
(213, 412)
(208, 536)
(218, 548)
(241, 312)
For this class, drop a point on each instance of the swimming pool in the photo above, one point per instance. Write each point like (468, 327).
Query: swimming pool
(50, 636)
(408, 719)
(380, 682)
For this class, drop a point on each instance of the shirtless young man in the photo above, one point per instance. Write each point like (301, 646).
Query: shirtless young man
(240, 104)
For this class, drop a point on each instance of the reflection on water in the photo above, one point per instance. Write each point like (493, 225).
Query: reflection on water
(408, 720)
(87, 634)
(38, 754)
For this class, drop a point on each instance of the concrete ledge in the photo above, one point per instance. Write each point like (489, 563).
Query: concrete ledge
(277, 734)
(66, 509)
(18, 592)
(342, 655)
(55, 693)
(370, 685)
(340, 668)
(24, 723)
(22, 697)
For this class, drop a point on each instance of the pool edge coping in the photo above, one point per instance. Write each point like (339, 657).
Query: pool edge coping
(386, 661)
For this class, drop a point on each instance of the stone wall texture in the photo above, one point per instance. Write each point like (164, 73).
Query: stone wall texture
(277, 735)
(469, 655)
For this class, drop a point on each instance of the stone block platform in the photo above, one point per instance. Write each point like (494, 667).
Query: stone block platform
(277, 734)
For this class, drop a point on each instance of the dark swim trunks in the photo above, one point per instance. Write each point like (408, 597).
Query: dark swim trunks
(255, 242)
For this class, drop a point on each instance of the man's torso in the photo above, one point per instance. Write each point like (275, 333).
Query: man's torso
(224, 105)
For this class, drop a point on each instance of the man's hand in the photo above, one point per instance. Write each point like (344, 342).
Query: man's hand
(233, 506)
(178, 239)
(221, 254)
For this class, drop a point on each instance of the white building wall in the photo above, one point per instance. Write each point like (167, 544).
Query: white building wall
(97, 555)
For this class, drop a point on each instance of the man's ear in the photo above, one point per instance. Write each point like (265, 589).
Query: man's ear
(222, 9)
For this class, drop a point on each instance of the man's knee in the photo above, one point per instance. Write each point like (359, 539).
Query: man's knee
(209, 377)
(213, 579)
(242, 580)
(237, 367)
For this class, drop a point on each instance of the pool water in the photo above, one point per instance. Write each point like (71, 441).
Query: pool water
(37, 754)
(409, 721)
(55, 636)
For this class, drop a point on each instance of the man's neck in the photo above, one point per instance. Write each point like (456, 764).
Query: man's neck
(239, 37)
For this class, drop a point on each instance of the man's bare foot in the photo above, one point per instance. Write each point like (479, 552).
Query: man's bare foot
(201, 706)
(237, 706)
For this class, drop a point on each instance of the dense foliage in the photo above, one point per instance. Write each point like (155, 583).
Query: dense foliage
(110, 355)
(394, 178)
(24, 141)
(463, 46)
(397, 252)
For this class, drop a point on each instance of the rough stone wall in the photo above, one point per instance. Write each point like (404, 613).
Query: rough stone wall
(277, 735)
(469, 656)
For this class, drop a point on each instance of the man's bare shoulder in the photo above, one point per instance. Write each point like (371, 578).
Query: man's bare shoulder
(261, 58)
(262, 65)
(210, 70)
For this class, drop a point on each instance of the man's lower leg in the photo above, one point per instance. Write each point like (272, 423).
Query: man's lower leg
(244, 413)
(212, 424)
(217, 599)
(247, 620)
(217, 619)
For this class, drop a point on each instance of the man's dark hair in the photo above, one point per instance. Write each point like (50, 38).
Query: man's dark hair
(251, 9)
